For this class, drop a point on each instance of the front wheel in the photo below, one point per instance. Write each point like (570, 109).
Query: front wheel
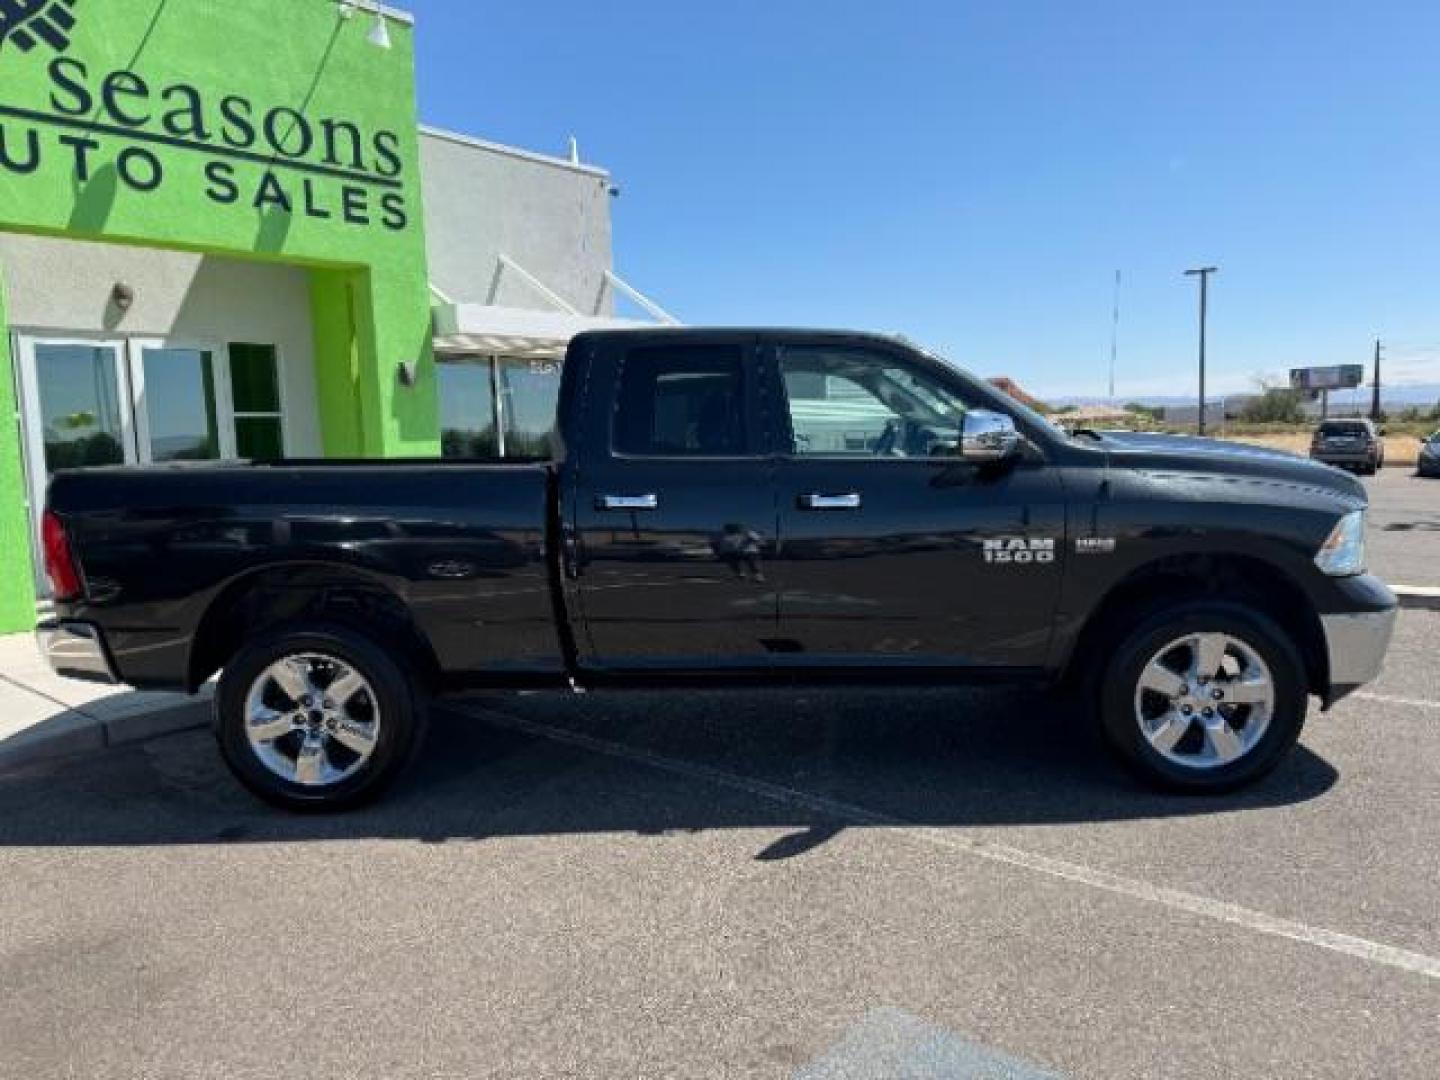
(1204, 697)
(317, 717)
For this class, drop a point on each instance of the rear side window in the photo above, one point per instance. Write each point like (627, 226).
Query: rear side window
(682, 402)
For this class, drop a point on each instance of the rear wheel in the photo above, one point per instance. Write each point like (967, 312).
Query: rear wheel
(317, 717)
(1204, 697)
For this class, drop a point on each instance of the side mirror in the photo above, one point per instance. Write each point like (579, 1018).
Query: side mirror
(988, 436)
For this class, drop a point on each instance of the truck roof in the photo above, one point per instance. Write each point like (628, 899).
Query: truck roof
(742, 332)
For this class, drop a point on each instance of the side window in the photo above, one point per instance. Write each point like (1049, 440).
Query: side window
(857, 403)
(682, 402)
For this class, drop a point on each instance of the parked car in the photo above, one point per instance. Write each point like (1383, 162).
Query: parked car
(752, 507)
(1429, 461)
(1349, 444)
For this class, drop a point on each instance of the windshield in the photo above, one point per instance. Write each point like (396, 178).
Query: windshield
(1014, 406)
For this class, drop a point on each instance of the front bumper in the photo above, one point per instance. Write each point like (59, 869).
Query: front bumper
(75, 650)
(1356, 644)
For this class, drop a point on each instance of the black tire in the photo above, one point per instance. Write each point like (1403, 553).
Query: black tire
(1134, 651)
(400, 710)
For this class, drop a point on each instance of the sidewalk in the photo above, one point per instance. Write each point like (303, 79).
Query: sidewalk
(44, 716)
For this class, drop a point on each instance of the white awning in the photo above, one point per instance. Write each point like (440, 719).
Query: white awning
(486, 330)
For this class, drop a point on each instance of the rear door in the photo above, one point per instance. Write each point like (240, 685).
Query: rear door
(674, 510)
(894, 553)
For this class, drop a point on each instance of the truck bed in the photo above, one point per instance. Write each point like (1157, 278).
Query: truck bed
(462, 546)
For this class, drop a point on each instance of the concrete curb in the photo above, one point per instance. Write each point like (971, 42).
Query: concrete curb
(1417, 597)
(74, 732)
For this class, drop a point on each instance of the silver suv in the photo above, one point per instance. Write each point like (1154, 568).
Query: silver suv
(1349, 444)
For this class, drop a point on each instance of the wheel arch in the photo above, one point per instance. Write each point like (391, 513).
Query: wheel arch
(271, 596)
(1236, 578)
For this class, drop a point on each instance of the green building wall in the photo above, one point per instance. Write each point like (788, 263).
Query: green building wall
(258, 129)
(17, 589)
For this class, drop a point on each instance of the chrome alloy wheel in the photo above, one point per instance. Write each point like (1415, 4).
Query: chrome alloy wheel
(1205, 700)
(312, 720)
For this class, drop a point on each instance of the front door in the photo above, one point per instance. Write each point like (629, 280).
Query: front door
(675, 514)
(893, 552)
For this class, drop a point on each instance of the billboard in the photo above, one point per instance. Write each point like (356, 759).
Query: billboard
(1341, 377)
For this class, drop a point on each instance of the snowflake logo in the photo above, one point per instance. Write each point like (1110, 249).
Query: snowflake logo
(27, 23)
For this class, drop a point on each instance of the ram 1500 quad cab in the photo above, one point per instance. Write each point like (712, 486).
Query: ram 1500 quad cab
(750, 507)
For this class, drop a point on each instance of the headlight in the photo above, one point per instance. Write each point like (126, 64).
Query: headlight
(1343, 553)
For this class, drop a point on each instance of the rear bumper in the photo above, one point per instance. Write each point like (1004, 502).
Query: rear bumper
(1356, 645)
(1348, 457)
(76, 650)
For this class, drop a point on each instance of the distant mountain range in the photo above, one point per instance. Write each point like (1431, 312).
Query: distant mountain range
(1391, 397)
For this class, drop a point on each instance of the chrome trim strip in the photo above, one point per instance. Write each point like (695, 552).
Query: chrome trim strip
(1357, 644)
(75, 651)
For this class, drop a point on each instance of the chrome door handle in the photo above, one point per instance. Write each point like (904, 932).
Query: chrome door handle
(627, 502)
(817, 501)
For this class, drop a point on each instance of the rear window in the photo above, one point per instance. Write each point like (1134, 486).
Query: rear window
(682, 402)
(1352, 428)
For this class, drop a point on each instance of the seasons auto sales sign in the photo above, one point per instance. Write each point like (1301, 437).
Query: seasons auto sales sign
(262, 156)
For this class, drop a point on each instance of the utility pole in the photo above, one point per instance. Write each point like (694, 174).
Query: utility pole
(1375, 399)
(1115, 337)
(1203, 273)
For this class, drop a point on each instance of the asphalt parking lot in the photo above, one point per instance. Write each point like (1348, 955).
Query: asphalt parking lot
(819, 884)
(1404, 539)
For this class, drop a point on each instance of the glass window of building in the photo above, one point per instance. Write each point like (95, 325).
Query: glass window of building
(255, 391)
(467, 407)
(530, 397)
(79, 395)
(180, 412)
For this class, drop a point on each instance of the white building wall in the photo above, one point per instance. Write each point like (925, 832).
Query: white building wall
(550, 216)
(57, 286)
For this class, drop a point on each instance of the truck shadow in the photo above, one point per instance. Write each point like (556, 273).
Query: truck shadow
(812, 762)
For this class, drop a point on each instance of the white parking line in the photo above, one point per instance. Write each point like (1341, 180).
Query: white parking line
(1386, 699)
(1258, 921)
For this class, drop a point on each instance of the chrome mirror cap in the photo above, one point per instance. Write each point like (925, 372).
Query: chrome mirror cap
(988, 436)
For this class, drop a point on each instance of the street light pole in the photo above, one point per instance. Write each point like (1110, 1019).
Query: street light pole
(1375, 400)
(1203, 273)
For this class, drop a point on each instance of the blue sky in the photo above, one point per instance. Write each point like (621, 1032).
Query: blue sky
(973, 174)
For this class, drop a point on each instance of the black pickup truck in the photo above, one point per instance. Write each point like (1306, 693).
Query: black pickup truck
(746, 506)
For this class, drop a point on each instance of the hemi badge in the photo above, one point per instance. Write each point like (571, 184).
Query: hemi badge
(1095, 545)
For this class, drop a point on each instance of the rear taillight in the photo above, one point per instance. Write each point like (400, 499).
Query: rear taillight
(60, 565)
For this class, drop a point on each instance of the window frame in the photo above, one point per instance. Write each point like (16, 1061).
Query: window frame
(751, 382)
